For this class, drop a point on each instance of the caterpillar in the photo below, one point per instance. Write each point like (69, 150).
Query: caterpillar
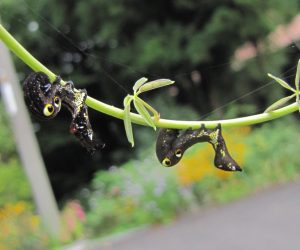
(44, 99)
(172, 143)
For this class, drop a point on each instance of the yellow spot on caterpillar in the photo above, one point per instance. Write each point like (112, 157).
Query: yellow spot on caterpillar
(201, 133)
(223, 153)
(214, 137)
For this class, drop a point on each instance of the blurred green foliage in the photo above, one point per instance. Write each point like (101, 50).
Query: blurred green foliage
(6, 137)
(136, 194)
(20, 227)
(271, 158)
(13, 183)
(142, 192)
(98, 43)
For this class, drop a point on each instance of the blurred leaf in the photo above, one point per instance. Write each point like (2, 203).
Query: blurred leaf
(297, 76)
(139, 83)
(281, 82)
(143, 112)
(13, 181)
(155, 84)
(279, 103)
(297, 84)
(127, 120)
(298, 102)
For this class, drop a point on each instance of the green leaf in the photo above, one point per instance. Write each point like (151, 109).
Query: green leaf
(298, 101)
(279, 103)
(282, 82)
(297, 78)
(297, 84)
(143, 112)
(127, 120)
(155, 84)
(139, 83)
(127, 100)
(156, 115)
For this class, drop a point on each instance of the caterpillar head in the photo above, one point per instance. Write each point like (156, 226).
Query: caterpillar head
(41, 96)
(167, 150)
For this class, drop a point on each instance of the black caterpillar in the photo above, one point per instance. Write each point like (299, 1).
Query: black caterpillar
(172, 143)
(44, 99)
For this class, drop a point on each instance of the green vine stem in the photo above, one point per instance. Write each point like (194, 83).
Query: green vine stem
(110, 110)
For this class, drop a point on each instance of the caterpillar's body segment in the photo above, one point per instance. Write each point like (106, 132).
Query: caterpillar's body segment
(172, 143)
(44, 100)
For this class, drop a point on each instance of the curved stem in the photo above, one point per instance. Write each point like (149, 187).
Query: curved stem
(242, 121)
(33, 63)
(22, 53)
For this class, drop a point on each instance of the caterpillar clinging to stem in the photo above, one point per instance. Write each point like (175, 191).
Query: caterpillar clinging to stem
(172, 143)
(44, 99)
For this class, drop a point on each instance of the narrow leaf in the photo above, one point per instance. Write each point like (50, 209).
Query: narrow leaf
(279, 103)
(297, 78)
(156, 115)
(143, 112)
(155, 84)
(297, 85)
(127, 100)
(127, 120)
(298, 101)
(282, 82)
(139, 83)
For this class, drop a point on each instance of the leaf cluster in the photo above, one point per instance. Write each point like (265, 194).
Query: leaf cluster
(140, 105)
(285, 85)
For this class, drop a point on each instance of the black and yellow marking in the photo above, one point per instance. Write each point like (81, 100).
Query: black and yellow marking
(172, 143)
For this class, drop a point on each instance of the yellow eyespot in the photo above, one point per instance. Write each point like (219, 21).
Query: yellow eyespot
(48, 109)
(178, 153)
(166, 162)
(56, 101)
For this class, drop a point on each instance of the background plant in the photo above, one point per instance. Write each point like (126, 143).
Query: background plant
(20, 228)
(12, 177)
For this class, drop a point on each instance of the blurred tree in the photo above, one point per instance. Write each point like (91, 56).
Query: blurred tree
(105, 46)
